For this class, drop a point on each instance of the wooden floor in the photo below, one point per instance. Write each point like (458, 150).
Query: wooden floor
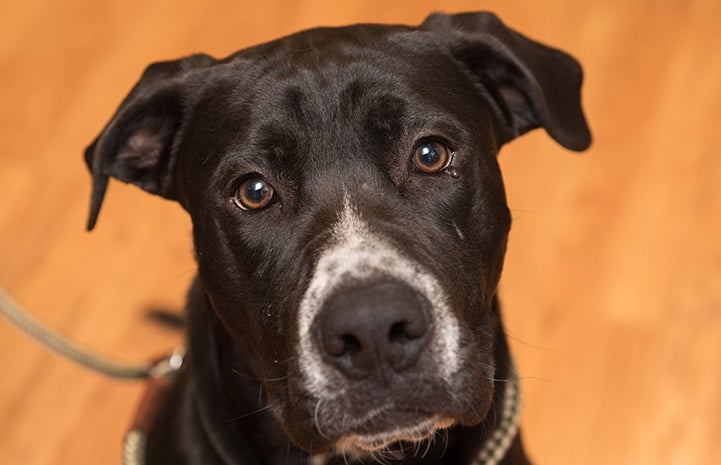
(612, 288)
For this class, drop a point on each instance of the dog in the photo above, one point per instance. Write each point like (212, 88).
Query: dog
(350, 225)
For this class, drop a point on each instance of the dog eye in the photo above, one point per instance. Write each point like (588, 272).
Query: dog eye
(253, 194)
(432, 157)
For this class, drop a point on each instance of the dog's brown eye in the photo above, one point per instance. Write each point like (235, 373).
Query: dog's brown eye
(253, 194)
(432, 157)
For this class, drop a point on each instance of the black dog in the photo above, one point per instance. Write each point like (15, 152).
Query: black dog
(350, 224)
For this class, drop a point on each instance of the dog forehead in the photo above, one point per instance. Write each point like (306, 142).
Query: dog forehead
(329, 67)
(324, 60)
(320, 95)
(307, 110)
(326, 44)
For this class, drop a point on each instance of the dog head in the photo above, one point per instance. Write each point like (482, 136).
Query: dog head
(349, 216)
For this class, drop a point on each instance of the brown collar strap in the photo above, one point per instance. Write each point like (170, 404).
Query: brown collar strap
(160, 381)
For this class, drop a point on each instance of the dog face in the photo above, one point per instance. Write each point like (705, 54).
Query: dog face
(348, 212)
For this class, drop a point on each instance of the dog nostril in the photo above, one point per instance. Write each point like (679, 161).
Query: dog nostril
(351, 345)
(404, 331)
(344, 344)
(397, 332)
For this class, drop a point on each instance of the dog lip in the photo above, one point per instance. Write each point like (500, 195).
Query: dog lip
(391, 424)
(424, 427)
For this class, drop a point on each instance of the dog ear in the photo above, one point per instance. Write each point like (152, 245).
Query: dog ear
(137, 145)
(530, 84)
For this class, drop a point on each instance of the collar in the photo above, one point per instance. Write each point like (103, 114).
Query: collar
(496, 447)
(164, 372)
(160, 380)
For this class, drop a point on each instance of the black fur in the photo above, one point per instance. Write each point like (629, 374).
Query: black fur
(318, 115)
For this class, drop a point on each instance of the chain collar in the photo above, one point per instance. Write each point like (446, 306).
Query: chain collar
(496, 447)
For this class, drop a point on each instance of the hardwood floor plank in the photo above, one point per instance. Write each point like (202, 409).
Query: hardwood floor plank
(612, 285)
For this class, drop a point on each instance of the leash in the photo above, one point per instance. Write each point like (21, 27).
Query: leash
(161, 373)
(62, 346)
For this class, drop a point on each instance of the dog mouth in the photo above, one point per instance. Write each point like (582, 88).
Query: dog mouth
(372, 419)
(385, 426)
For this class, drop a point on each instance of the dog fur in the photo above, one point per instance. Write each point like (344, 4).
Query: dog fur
(354, 315)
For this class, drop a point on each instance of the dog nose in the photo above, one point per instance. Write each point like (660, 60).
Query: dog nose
(373, 328)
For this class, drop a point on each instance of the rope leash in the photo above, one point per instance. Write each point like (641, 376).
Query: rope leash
(62, 346)
(159, 374)
(162, 373)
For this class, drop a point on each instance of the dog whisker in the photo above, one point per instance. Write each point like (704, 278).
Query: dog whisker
(379, 457)
(429, 444)
(510, 335)
(256, 378)
(254, 412)
(517, 378)
(316, 419)
(518, 214)
(445, 443)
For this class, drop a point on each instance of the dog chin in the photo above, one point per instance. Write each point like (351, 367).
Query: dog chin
(372, 442)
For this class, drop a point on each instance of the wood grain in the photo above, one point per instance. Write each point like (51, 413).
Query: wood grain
(612, 287)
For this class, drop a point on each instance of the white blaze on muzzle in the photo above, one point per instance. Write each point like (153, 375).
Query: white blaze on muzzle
(355, 254)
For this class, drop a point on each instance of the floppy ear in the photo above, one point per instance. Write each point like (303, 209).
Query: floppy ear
(530, 85)
(137, 146)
